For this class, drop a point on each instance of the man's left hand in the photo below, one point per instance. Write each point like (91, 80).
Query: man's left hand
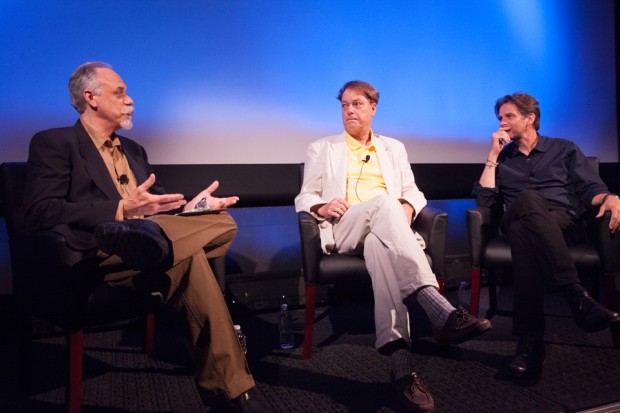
(612, 204)
(409, 211)
(212, 201)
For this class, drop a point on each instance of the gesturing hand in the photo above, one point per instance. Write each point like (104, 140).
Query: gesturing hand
(142, 203)
(212, 201)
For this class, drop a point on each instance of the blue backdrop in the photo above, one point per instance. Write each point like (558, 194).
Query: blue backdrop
(255, 81)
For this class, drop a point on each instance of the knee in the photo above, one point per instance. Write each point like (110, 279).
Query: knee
(386, 202)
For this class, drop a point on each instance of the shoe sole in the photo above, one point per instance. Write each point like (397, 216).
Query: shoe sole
(599, 327)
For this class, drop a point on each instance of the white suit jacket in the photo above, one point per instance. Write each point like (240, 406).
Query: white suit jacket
(325, 177)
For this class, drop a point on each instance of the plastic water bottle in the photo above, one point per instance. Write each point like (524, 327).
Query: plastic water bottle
(242, 338)
(287, 340)
(463, 295)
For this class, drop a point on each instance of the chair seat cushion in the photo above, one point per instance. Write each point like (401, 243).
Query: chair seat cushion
(341, 267)
(344, 267)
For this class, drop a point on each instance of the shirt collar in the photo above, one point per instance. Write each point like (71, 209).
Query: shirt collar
(542, 145)
(354, 145)
(99, 139)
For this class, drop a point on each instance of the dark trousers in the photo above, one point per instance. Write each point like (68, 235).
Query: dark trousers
(538, 232)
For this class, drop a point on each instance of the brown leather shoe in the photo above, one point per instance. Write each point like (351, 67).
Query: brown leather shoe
(413, 394)
(460, 327)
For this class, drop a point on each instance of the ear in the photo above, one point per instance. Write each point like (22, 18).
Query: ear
(89, 98)
(374, 108)
(530, 119)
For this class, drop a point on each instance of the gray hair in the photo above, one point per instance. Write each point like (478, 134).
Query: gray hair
(83, 78)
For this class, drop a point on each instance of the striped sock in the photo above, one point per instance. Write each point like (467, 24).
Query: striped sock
(437, 308)
(402, 363)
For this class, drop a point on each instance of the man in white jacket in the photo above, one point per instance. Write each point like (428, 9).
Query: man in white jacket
(360, 187)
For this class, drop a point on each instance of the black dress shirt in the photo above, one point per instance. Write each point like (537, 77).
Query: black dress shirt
(555, 167)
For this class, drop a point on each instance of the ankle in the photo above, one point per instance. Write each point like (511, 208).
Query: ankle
(401, 364)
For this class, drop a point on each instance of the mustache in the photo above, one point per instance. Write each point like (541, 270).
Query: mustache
(128, 111)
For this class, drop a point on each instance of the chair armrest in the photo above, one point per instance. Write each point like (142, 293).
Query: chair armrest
(607, 244)
(478, 221)
(432, 225)
(311, 251)
(45, 273)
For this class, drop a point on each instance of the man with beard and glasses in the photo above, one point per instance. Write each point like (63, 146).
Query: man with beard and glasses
(545, 184)
(97, 189)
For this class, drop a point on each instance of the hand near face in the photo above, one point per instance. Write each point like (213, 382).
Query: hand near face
(498, 139)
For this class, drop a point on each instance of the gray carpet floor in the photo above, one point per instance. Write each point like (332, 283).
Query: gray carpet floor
(345, 373)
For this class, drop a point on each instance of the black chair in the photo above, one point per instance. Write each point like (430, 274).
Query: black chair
(319, 268)
(597, 255)
(52, 282)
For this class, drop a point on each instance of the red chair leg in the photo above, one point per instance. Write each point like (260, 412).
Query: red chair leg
(474, 301)
(442, 286)
(309, 325)
(149, 334)
(75, 347)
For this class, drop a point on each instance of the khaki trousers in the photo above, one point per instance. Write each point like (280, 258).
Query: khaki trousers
(221, 368)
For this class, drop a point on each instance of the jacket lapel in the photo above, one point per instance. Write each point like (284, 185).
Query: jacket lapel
(339, 164)
(94, 163)
(138, 170)
(385, 163)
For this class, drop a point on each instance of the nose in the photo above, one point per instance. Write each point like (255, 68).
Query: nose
(128, 100)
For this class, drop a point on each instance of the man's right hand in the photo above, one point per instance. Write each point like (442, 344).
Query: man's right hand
(143, 203)
(334, 208)
(498, 139)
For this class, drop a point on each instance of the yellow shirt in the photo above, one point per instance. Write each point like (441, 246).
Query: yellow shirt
(364, 178)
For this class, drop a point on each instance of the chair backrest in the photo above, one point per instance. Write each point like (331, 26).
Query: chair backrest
(13, 180)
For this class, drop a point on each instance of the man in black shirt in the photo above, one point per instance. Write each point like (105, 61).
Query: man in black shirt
(545, 184)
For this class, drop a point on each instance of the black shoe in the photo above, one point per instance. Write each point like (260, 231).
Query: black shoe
(590, 315)
(245, 403)
(460, 327)
(413, 394)
(529, 358)
(139, 242)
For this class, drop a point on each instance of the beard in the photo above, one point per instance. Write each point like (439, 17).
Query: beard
(127, 124)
